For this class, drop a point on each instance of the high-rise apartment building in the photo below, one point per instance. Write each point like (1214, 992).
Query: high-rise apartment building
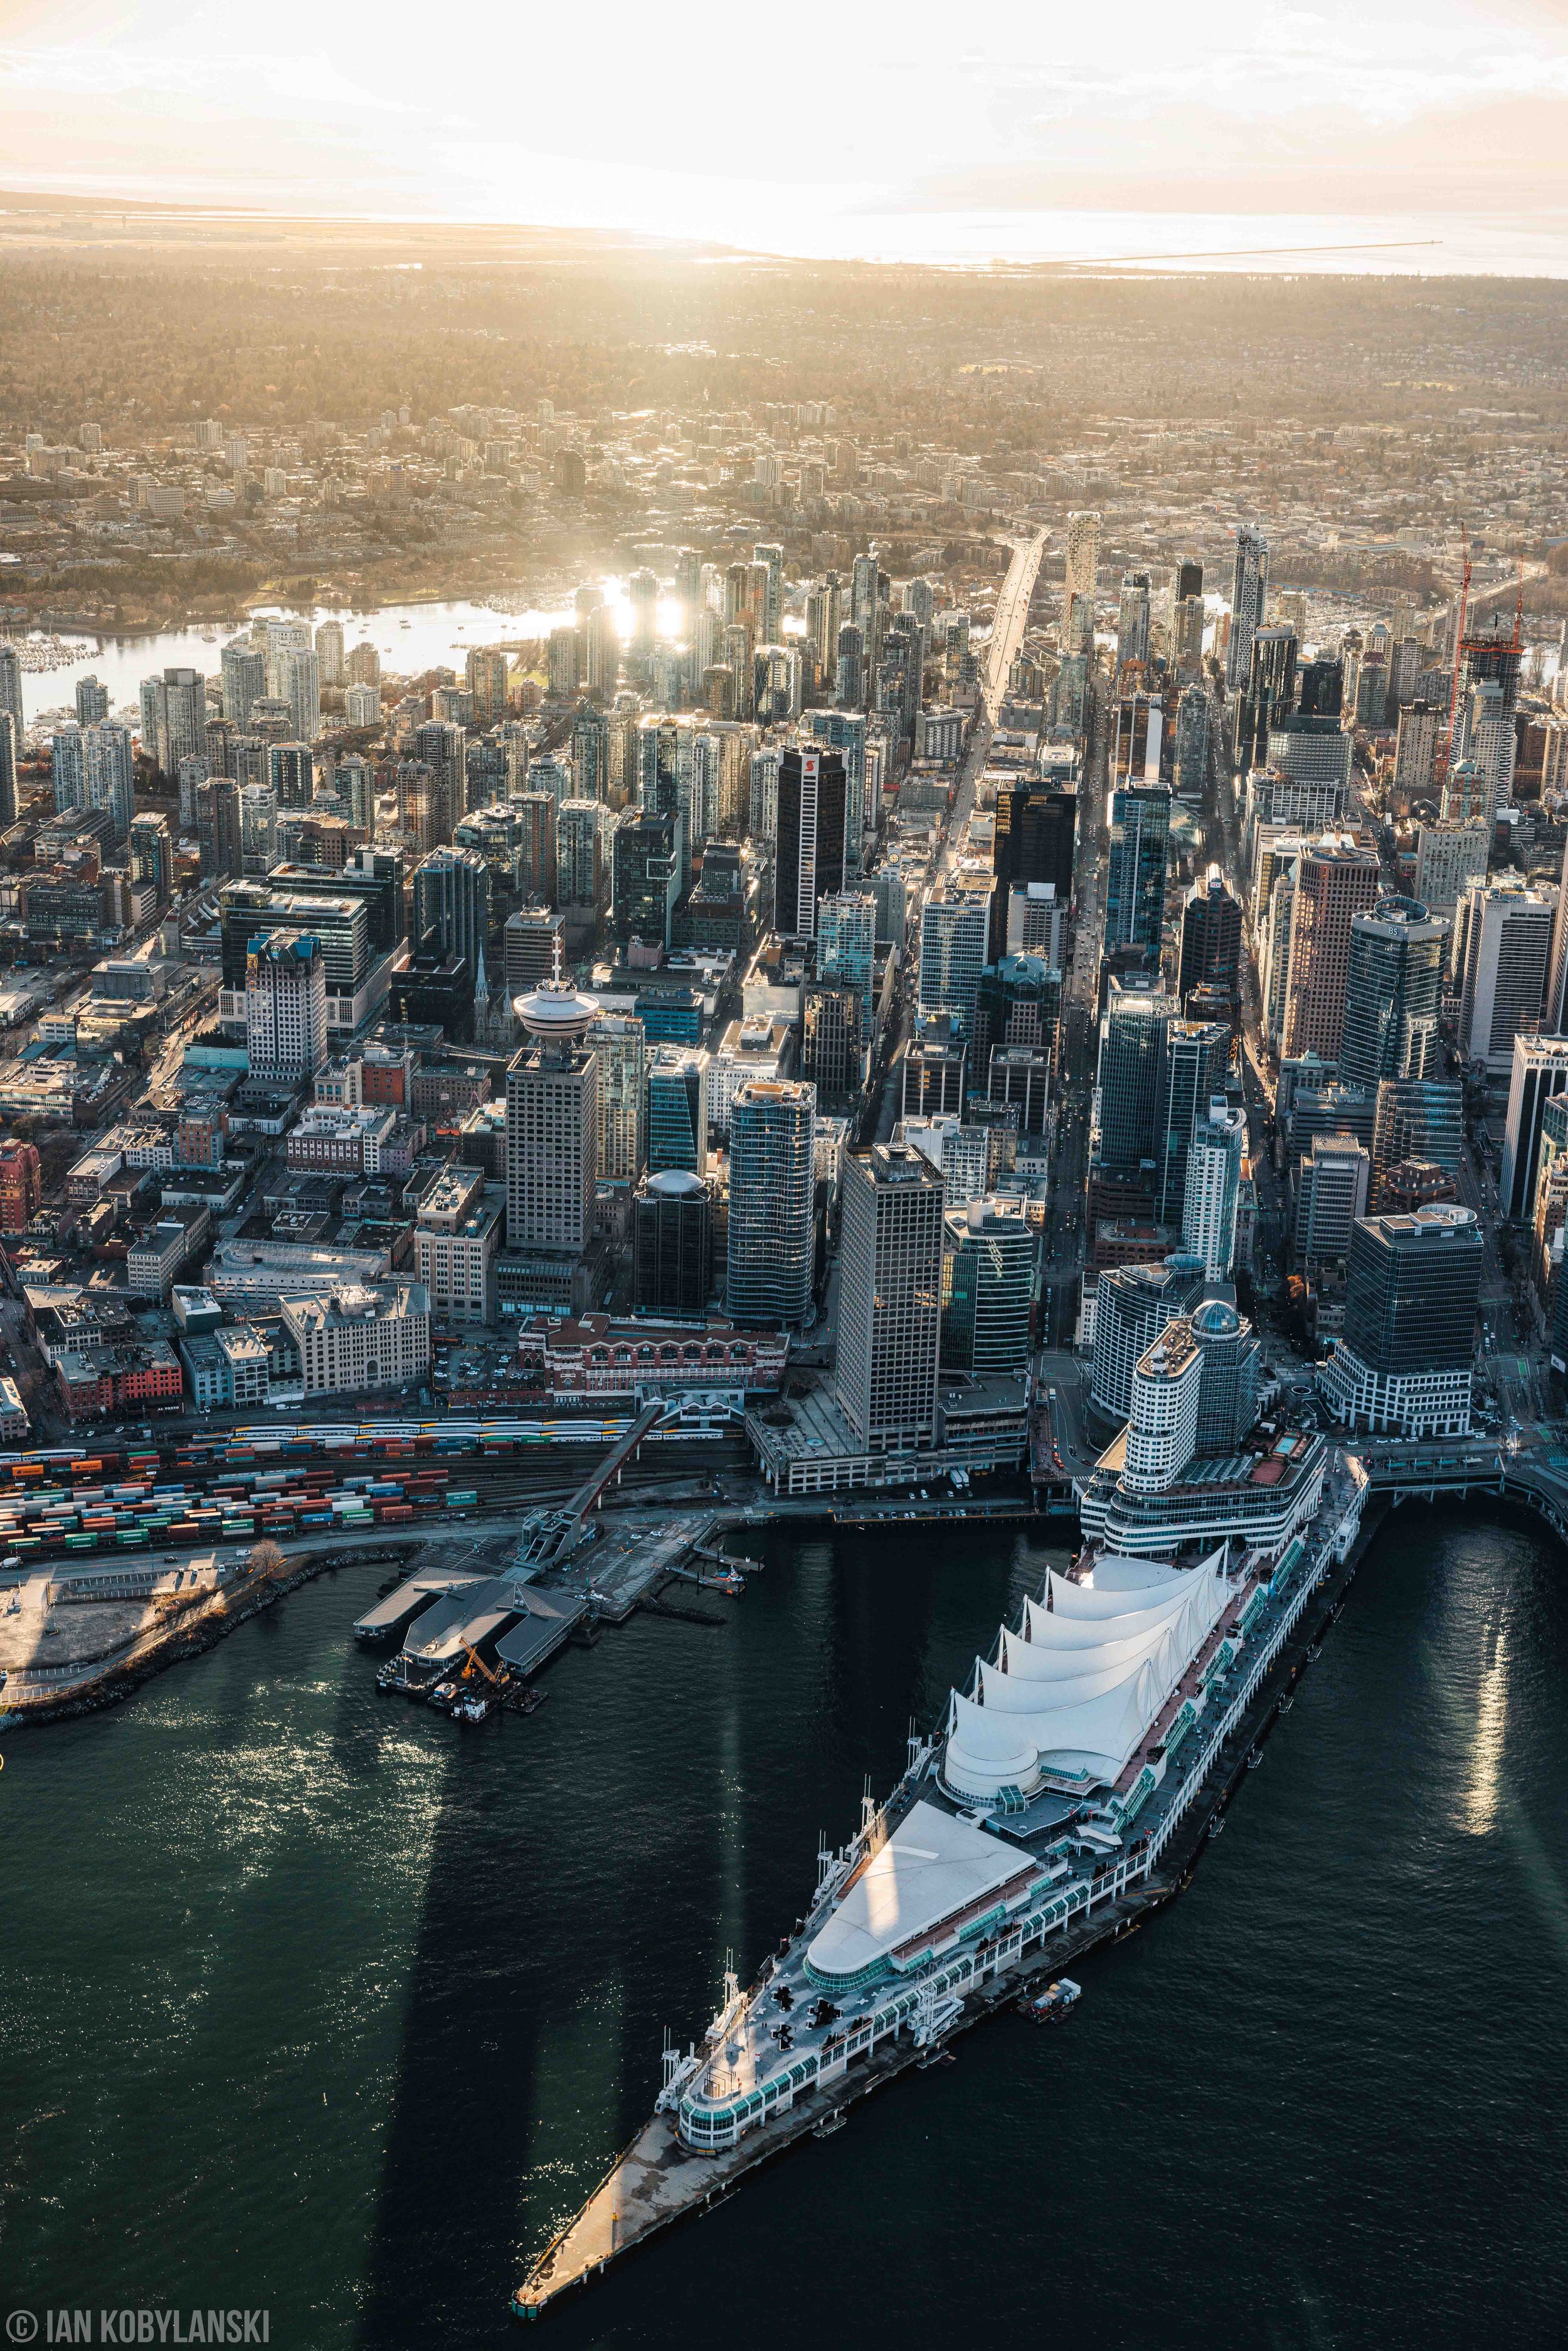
(1415, 751)
(1448, 859)
(91, 701)
(1248, 594)
(285, 1007)
(1082, 555)
(889, 1296)
(1211, 1188)
(220, 832)
(11, 689)
(174, 718)
(772, 1189)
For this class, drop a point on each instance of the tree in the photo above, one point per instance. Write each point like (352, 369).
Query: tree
(266, 1558)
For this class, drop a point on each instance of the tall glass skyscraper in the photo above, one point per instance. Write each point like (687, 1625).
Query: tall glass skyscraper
(772, 1194)
(1135, 887)
(1392, 987)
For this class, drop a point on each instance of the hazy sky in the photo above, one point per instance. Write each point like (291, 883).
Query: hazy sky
(816, 125)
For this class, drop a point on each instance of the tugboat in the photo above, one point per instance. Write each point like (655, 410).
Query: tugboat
(1051, 2005)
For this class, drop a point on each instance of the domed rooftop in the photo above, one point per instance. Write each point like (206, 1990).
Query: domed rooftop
(1215, 1320)
(676, 1184)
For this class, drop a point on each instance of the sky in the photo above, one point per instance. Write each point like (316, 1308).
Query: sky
(816, 127)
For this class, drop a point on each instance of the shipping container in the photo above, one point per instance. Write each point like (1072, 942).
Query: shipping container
(395, 1514)
(133, 1538)
(81, 1543)
(464, 1501)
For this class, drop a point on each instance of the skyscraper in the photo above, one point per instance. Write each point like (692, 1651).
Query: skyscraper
(1404, 1366)
(1132, 1059)
(1132, 619)
(772, 1226)
(1082, 555)
(10, 752)
(621, 1043)
(11, 689)
(1212, 1188)
(174, 718)
(1540, 1071)
(809, 853)
(1194, 1072)
(552, 1123)
(1503, 946)
(889, 1296)
(953, 938)
(1334, 881)
(1392, 990)
(1033, 841)
(329, 653)
(219, 832)
(1249, 593)
(846, 943)
(1210, 938)
(671, 1245)
(285, 1005)
(677, 1109)
(988, 1261)
(442, 746)
(109, 758)
(1135, 886)
(92, 701)
(487, 673)
(68, 757)
(452, 905)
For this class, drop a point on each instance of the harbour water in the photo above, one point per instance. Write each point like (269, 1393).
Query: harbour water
(410, 638)
(315, 2003)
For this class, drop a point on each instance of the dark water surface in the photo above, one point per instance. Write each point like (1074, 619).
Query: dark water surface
(312, 2001)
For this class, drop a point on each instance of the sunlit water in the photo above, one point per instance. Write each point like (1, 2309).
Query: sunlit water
(310, 2001)
(436, 636)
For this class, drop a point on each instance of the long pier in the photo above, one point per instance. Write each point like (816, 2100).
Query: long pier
(658, 2180)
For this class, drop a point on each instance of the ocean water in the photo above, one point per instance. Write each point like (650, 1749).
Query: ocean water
(313, 2002)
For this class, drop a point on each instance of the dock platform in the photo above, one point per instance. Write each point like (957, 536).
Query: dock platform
(546, 1622)
(427, 1584)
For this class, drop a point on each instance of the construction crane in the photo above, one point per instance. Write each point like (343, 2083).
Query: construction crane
(477, 1665)
(1459, 634)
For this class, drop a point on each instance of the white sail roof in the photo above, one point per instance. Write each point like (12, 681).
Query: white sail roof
(931, 1866)
(1085, 1703)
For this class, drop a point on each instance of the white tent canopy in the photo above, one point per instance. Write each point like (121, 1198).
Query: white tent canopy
(1082, 1707)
